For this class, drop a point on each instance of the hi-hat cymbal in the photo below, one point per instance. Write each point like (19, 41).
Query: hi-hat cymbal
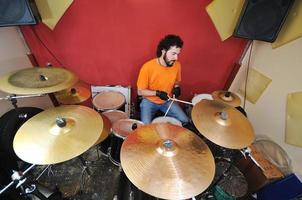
(222, 124)
(74, 95)
(58, 134)
(37, 80)
(106, 129)
(227, 97)
(167, 161)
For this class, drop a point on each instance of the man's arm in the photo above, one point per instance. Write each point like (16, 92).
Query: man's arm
(146, 92)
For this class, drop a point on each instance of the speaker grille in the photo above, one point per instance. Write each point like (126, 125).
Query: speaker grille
(262, 19)
(15, 12)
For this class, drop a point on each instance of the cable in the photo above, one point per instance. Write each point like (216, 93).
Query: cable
(45, 46)
(247, 74)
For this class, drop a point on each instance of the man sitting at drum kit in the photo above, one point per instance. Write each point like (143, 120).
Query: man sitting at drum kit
(159, 78)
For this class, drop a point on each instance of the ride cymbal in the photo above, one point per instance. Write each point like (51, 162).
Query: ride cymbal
(37, 80)
(167, 161)
(227, 97)
(222, 124)
(58, 134)
(74, 95)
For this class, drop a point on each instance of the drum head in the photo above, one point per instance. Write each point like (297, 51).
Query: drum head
(197, 98)
(115, 115)
(122, 128)
(108, 100)
(167, 120)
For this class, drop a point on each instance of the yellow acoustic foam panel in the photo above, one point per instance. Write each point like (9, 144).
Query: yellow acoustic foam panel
(256, 85)
(51, 11)
(293, 119)
(292, 27)
(224, 14)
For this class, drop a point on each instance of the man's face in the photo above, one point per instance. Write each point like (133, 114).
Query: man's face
(171, 55)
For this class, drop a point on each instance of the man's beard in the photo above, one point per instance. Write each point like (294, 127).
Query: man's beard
(169, 64)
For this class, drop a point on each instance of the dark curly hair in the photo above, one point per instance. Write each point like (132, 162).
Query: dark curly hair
(167, 42)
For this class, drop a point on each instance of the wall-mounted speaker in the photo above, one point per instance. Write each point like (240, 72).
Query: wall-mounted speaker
(16, 12)
(262, 19)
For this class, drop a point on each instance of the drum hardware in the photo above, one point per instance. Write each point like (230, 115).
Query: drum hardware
(168, 157)
(37, 80)
(58, 134)
(13, 98)
(227, 97)
(222, 124)
(17, 178)
(247, 152)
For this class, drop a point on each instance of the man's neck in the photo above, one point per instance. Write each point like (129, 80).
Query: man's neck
(161, 61)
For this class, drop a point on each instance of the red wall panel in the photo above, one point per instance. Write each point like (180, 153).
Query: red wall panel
(105, 42)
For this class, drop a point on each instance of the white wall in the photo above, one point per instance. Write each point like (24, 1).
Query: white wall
(284, 66)
(13, 56)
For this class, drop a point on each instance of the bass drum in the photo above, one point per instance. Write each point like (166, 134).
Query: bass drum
(10, 122)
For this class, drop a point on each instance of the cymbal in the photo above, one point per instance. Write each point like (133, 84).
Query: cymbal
(74, 95)
(58, 134)
(167, 161)
(106, 129)
(37, 80)
(222, 124)
(227, 97)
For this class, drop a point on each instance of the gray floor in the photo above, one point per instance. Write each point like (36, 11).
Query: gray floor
(74, 182)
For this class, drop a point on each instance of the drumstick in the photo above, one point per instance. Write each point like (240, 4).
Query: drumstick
(169, 108)
(174, 99)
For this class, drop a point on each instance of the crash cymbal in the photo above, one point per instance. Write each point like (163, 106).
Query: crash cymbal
(106, 129)
(37, 80)
(222, 124)
(167, 161)
(58, 134)
(227, 97)
(74, 95)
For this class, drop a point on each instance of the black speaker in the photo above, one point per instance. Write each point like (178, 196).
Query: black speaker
(262, 19)
(17, 12)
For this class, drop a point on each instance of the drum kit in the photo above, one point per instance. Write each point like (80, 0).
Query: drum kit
(161, 159)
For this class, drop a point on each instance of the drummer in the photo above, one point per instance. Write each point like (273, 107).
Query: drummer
(160, 77)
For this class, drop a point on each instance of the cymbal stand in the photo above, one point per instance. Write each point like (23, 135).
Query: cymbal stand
(13, 98)
(17, 178)
(85, 169)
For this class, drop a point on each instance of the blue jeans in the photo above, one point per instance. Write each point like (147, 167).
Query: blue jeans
(148, 110)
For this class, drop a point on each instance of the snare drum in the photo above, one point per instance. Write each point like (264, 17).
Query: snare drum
(198, 97)
(166, 120)
(112, 116)
(120, 130)
(108, 100)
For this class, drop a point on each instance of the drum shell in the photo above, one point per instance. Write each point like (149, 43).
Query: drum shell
(113, 116)
(109, 100)
(120, 130)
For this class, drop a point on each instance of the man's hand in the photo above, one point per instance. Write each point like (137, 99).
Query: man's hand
(176, 91)
(162, 95)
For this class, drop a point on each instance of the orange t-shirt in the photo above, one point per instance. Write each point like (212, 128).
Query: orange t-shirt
(153, 76)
